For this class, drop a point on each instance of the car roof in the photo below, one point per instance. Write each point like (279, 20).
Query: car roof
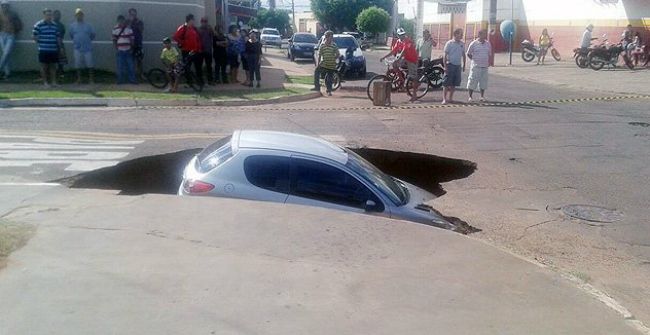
(302, 144)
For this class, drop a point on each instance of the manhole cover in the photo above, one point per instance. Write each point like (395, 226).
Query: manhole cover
(592, 213)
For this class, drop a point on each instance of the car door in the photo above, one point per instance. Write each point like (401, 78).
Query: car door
(269, 177)
(317, 183)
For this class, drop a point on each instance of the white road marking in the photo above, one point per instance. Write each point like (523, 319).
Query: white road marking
(30, 184)
(76, 154)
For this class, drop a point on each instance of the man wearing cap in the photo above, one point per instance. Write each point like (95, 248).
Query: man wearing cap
(585, 42)
(405, 51)
(82, 35)
(10, 26)
(48, 37)
(207, 36)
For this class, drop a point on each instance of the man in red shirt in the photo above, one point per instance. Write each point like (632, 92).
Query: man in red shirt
(188, 39)
(405, 51)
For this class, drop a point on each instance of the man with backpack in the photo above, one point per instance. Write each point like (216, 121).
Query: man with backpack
(188, 39)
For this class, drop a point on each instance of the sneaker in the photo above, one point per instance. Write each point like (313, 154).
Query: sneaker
(482, 99)
(444, 102)
(470, 99)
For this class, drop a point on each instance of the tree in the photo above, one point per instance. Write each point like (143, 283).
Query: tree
(373, 20)
(274, 18)
(341, 15)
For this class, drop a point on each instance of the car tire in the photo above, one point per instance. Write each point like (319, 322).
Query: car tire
(363, 73)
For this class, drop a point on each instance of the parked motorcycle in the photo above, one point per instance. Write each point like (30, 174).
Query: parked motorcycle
(580, 56)
(434, 71)
(529, 51)
(606, 54)
(640, 55)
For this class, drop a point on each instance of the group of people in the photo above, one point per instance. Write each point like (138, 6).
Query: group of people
(201, 46)
(409, 54)
(630, 40)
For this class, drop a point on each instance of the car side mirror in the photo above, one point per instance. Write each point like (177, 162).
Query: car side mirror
(370, 206)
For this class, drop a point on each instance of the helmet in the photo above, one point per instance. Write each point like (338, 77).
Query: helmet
(167, 40)
(401, 31)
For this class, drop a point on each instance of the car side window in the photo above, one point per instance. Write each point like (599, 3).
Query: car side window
(268, 172)
(323, 182)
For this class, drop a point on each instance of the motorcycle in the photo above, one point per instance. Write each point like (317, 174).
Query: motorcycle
(529, 51)
(580, 56)
(434, 72)
(606, 54)
(640, 54)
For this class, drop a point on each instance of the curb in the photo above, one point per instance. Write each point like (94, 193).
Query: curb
(121, 102)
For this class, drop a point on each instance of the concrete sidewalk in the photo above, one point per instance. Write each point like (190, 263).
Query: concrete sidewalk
(170, 265)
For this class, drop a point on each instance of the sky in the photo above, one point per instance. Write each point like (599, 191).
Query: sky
(405, 6)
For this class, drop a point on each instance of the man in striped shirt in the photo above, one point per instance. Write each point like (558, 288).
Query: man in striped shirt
(328, 53)
(123, 42)
(47, 36)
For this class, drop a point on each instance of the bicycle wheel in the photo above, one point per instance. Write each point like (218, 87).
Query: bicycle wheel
(422, 90)
(379, 77)
(336, 81)
(556, 55)
(193, 82)
(157, 78)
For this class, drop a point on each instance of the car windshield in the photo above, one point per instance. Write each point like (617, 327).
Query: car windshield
(346, 42)
(305, 39)
(385, 183)
(270, 32)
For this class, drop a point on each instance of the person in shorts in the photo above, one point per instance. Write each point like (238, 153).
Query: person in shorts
(233, 51)
(82, 35)
(479, 52)
(47, 36)
(454, 58)
(406, 52)
(170, 58)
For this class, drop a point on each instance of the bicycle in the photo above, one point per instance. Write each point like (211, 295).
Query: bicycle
(158, 78)
(335, 76)
(429, 76)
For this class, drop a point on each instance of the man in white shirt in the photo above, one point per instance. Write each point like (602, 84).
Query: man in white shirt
(585, 42)
(479, 52)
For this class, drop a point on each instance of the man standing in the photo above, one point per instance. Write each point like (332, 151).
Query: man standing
(137, 26)
(425, 45)
(207, 37)
(220, 56)
(46, 34)
(10, 26)
(479, 52)
(405, 51)
(189, 40)
(326, 62)
(63, 58)
(454, 54)
(82, 35)
(123, 42)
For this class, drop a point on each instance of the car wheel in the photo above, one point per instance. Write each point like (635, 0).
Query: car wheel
(363, 73)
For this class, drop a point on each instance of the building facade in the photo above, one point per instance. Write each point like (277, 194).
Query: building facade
(565, 19)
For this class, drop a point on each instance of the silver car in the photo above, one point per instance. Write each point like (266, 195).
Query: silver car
(299, 169)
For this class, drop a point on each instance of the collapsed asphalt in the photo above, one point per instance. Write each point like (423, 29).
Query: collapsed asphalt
(162, 174)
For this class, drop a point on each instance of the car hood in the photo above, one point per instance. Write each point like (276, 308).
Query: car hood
(418, 210)
(302, 44)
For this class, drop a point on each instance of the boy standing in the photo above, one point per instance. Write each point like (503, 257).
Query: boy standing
(454, 54)
(170, 57)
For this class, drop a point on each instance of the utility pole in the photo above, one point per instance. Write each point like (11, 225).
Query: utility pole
(419, 20)
(271, 4)
(294, 28)
(394, 18)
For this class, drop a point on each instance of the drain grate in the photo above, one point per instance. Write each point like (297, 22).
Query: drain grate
(592, 213)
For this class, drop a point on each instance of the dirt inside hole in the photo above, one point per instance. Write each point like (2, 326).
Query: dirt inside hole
(162, 174)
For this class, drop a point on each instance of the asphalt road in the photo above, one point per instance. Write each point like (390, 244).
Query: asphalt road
(546, 146)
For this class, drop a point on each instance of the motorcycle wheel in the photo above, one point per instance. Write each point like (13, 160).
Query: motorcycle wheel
(556, 54)
(436, 77)
(582, 61)
(595, 63)
(379, 77)
(527, 56)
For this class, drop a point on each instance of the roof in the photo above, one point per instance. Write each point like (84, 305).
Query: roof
(273, 140)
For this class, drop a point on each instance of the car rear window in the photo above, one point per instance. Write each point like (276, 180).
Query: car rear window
(268, 172)
(214, 154)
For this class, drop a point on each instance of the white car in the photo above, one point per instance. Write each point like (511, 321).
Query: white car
(271, 36)
(298, 169)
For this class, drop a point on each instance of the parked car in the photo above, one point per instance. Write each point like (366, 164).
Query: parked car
(298, 169)
(271, 36)
(360, 37)
(301, 45)
(351, 50)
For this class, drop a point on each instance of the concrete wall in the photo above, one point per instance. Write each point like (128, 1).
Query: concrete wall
(161, 18)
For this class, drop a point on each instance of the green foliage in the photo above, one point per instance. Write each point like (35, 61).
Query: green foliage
(276, 18)
(341, 15)
(409, 26)
(373, 20)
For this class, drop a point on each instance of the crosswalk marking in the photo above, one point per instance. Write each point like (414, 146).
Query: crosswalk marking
(75, 154)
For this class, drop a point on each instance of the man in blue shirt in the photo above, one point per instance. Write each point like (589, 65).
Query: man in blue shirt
(82, 35)
(48, 37)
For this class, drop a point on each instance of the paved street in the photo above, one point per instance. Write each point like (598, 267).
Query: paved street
(538, 147)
